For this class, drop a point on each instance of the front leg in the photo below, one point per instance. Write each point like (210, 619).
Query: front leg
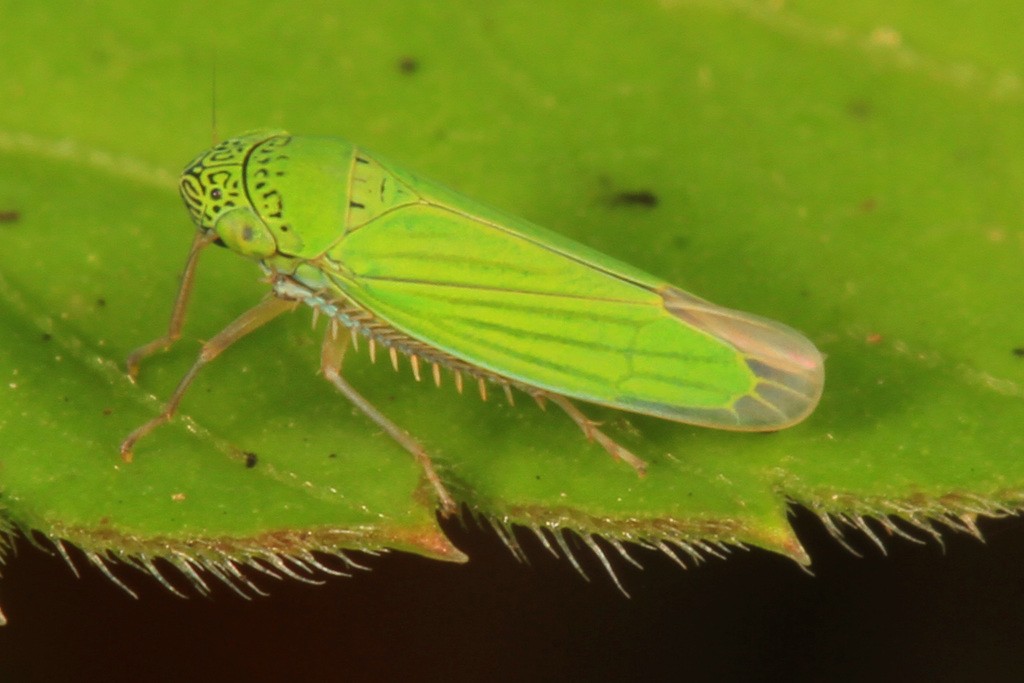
(254, 318)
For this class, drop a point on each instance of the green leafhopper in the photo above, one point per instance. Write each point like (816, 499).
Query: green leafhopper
(428, 274)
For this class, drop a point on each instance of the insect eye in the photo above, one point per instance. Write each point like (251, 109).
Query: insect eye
(215, 193)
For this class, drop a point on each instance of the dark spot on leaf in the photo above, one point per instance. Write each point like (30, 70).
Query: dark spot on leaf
(859, 108)
(408, 65)
(250, 459)
(101, 302)
(9, 216)
(1019, 352)
(108, 411)
(642, 198)
(333, 455)
(46, 336)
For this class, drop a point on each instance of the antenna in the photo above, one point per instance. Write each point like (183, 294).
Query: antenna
(213, 102)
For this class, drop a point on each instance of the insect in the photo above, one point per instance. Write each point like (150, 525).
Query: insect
(422, 272)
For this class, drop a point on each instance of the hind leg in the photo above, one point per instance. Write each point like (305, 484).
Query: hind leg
(592, 433)
(331, 357)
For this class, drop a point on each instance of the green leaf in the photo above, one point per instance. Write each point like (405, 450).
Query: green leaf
(851, 171)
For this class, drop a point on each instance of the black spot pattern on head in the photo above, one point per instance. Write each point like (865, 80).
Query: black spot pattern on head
(267, 202)
(212, 182)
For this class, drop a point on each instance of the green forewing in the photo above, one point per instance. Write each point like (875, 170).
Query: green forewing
(524, 303)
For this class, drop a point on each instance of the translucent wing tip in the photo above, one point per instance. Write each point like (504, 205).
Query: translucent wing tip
(789, 368)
